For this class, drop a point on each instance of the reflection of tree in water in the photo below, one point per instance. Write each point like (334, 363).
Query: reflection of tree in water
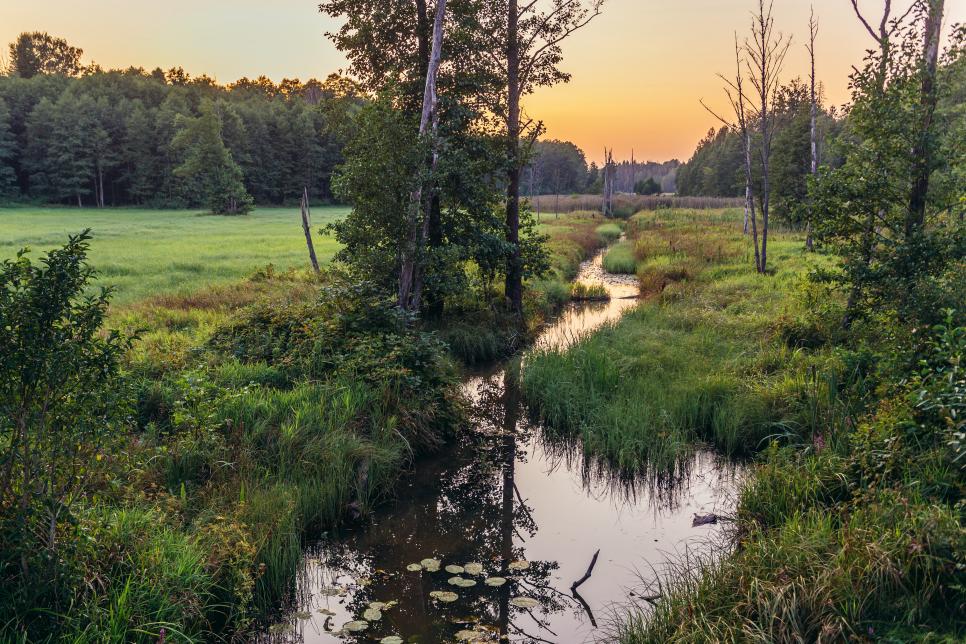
(460, 508)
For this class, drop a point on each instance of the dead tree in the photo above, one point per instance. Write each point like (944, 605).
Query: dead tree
(307, 228)
(813, 133)
(735, 91)
(765, 56)
(410, 282)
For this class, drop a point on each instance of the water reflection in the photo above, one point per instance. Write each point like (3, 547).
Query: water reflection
(508, 492)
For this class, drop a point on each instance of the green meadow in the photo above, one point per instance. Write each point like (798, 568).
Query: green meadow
(146, 252)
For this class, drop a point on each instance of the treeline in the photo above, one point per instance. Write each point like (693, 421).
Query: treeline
(560, 167)
(70, 134)
(717, 168)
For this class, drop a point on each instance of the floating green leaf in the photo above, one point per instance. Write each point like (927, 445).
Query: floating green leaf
(357, 626)
(470, 636)
(378, 605)
(519, 565)
(524, 602)
(372, 614)
(392, 639)
(432, 565)
(454, 570)
(326, 612)
(414, 567)
(444, 596)
(331, 592)
(473, 568)
(494, 581)
(303, 615)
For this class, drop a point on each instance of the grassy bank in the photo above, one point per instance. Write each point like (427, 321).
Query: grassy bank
(702, 360)
(143, 253)
(849, 527)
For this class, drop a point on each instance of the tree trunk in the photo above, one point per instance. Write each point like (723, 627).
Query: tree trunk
(307, 228)
(813, 133)
(417, 218)
(514, 270)
(750, 201)
(922, 157)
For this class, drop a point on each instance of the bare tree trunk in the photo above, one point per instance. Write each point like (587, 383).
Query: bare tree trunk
(922, 157)
(418, 219)
(813, 134)
(514, 270)
(307, 228)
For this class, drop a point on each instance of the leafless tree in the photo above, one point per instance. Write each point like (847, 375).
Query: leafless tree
(813, 134)
(765, 56)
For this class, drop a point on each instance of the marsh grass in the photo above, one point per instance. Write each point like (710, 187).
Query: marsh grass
(698, 363)
(582, 292)
(620, 259)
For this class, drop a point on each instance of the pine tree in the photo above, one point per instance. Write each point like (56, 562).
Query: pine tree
(209, 163)
(8, 152)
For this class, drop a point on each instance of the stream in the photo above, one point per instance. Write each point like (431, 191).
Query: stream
(526, 508)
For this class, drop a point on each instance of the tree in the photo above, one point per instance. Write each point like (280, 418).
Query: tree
(61, 398)
(647, 187)
(40, 53)
(530, 37)
(209, 164)
(8, 152)
(894, 263)
(813, 119)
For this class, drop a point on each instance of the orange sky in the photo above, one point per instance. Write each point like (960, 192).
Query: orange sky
(639, 69)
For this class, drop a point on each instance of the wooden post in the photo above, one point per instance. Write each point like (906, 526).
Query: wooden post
(307, 227)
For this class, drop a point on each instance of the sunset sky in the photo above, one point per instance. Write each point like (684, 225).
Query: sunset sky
(639, 70)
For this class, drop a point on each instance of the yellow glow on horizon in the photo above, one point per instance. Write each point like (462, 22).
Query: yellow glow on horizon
(638, 70)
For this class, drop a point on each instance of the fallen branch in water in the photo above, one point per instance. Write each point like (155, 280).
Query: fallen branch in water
(590, 613)
(590, 571)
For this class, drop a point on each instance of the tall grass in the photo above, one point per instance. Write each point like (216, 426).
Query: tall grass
(699, 363)
(620, 259)
(626, 205)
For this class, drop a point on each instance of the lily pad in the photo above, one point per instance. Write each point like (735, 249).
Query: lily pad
(377, 605)
(372, 614)
(331, 592)
(524, 602)
(430, 563)
(473, 568)
(454, 570)
(461, 582)
(444, 596)
(414, 567)
(392, 639)
(470, 636)
(494, 581)
(326, 612)
(303, 615)
(519, 565)
(357, 626)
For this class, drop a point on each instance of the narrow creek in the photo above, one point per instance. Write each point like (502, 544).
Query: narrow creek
(506, 492)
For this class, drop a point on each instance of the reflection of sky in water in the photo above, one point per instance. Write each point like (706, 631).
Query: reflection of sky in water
(552, 507)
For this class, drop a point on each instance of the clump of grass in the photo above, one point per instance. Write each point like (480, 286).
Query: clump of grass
(620, 259)
(609, 232)
(582, 292)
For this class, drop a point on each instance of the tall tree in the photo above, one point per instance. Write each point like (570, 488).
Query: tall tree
(530, 37)
(928, 97)
(813, 119)
(209, 165)
(8, 152)
(40, 53)
(766, 52)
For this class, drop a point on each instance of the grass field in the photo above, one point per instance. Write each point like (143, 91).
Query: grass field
(147, 252)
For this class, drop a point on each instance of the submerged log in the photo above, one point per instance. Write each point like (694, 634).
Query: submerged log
(704, 519)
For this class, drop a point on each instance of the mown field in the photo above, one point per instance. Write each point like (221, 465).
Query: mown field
(148, 252)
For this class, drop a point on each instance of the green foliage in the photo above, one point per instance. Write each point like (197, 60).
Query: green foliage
(890, 261)
(62, 403)
(8, 152)
(208, 165)
(40, 53)
(283, 137)
(609, 232)
(556, 167)
(647, 187)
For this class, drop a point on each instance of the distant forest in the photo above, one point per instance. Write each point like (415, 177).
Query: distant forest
(81, 135)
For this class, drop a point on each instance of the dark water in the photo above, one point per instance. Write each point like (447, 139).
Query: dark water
(509, 493)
